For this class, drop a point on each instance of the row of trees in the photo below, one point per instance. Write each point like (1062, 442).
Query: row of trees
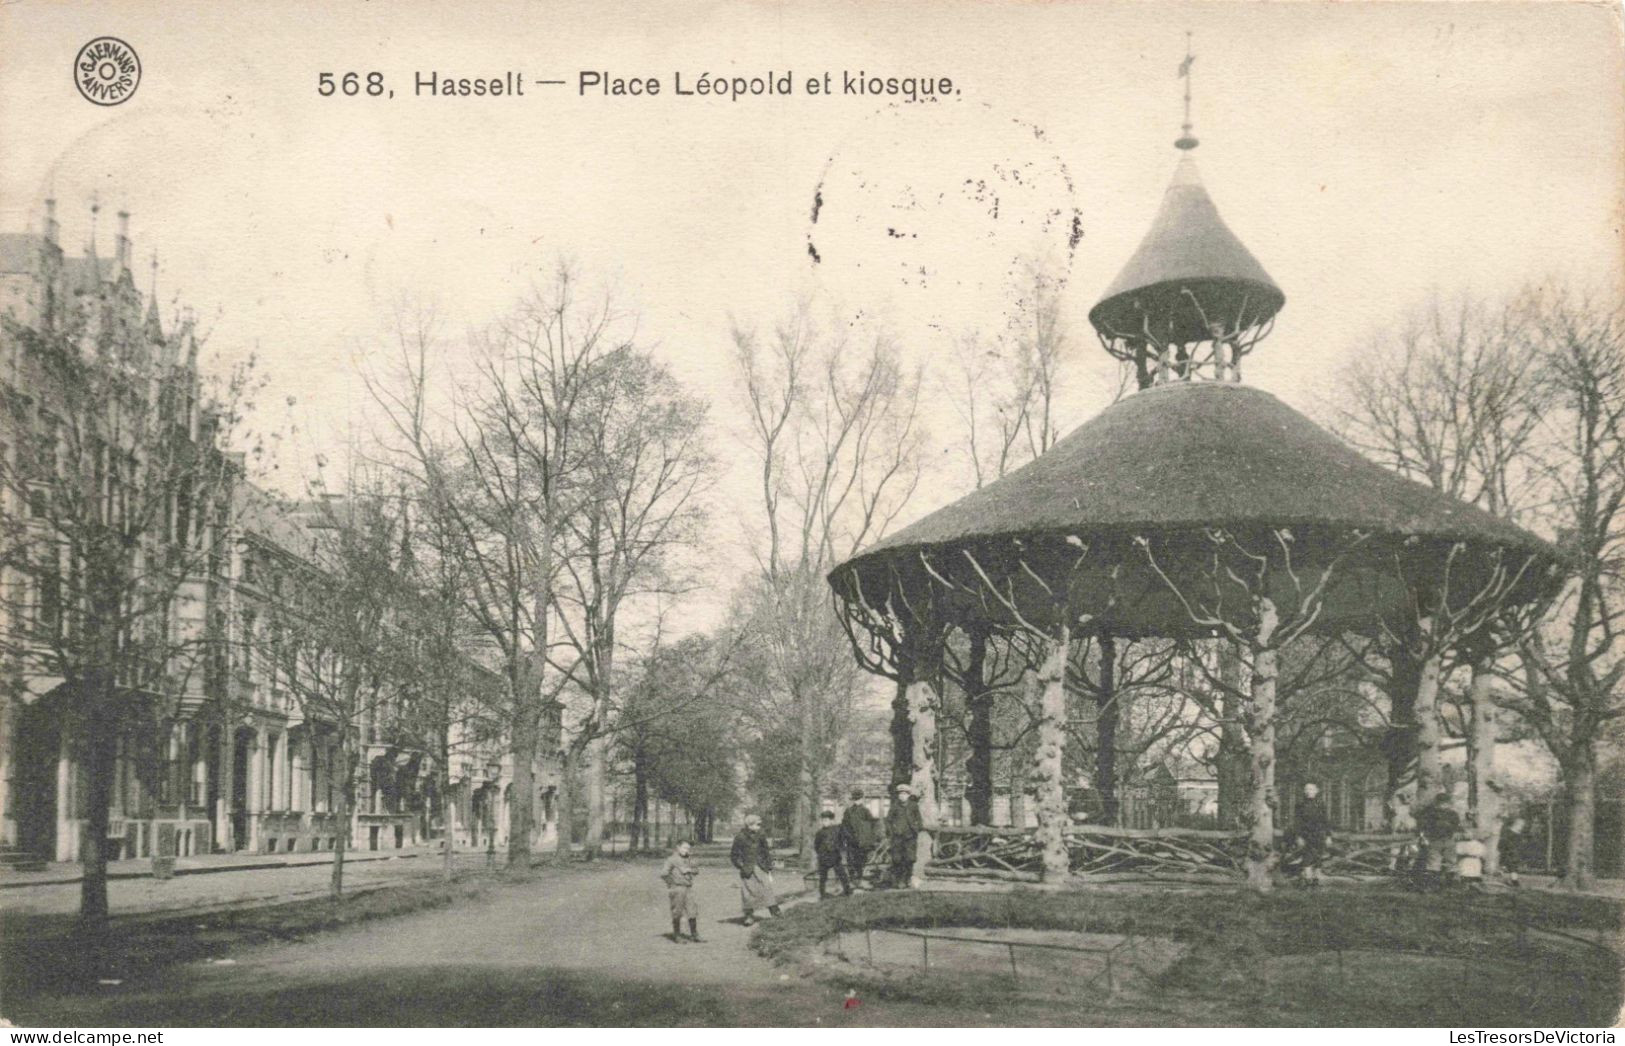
(1518, 407)
(507, 554)
(556, 488)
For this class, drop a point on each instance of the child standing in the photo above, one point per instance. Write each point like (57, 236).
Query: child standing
(678, 875)
(827, 845)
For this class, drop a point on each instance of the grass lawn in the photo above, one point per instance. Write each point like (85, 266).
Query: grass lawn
(1343, 956)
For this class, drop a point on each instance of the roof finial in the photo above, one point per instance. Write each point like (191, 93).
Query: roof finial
(1186, 141)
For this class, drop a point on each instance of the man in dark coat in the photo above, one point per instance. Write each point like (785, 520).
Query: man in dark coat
(827, 846)
(1314, 831)
(860, 831)
(754, 859)
(903, 827)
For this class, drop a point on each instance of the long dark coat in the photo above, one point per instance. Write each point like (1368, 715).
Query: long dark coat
(750, 850)
(903, 820)
(860, 827)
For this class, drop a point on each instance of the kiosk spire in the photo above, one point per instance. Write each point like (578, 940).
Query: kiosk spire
(1186, 140)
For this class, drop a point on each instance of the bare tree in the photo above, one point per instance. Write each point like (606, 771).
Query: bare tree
(1568, 685)
(115, 495)
(1450, 399)
(836, 431)
(501, 464)
(338, 648)
(1517, 408)
(645, 466)
(449, 702)
(1005, 386)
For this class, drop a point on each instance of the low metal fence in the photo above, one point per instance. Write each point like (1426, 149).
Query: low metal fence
(1116, 958)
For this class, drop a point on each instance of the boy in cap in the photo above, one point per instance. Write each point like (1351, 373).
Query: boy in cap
(903, 827)
(827, 845)
(678, 875)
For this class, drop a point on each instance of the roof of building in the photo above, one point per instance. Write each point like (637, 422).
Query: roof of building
(274, 520)
(1188, 249)
(20, 251)
(1203, 453)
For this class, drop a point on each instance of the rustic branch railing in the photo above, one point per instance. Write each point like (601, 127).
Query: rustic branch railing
(1104, 852)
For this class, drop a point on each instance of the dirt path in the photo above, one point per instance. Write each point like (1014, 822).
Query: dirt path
(584, 946)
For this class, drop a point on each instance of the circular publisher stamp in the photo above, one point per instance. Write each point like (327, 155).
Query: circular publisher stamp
(107, 71)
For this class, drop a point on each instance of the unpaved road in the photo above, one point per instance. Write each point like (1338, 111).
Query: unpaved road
(584, 946)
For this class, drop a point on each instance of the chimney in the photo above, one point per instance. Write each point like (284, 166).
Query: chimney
(122, 249)
(51, 228)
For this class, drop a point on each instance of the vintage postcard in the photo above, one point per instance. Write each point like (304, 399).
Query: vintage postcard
(841, 515)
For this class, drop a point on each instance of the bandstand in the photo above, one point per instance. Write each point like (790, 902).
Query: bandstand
(1197, 511)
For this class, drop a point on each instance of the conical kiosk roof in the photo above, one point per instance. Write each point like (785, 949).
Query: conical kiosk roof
(1190, 271)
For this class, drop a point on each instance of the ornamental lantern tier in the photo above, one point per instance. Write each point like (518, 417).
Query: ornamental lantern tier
(1197, 509)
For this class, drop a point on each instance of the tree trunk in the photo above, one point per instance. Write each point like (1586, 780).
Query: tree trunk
(902, 732)
(1260, 722)
(1580, 780)
(1484, 791)
(806, 779)
(448, 806)
(1107, 715)
(595, 772)
(522, 782)
(979, 764)
(1399, 740)
(1232, 759)
(923, 721)
(566, 826)
(100, 757)
(346, 796)
(1429, 776)
(640, 803)
(1047, 770)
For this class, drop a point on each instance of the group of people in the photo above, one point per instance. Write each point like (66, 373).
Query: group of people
(752, 857)
(842, 847)
(1436, 860)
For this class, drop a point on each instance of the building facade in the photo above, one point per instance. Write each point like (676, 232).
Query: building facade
(222, 756)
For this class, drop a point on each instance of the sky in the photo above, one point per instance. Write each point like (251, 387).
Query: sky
(1367, 153)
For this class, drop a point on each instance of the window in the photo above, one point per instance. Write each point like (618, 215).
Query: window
(168, 777)
(246, 649)
(49, 611)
